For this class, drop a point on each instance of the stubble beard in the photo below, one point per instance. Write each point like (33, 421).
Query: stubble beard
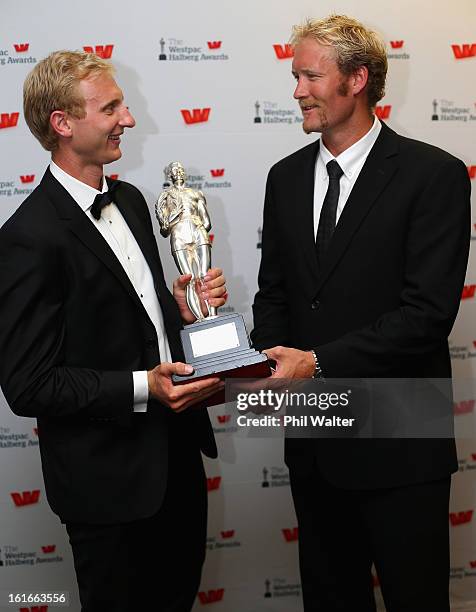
(342, 90)
(323, 122)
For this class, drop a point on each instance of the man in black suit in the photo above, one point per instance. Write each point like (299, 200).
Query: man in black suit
(364, 251)
(89, 341)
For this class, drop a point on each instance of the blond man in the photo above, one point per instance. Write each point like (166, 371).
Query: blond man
(365, 283)
(90, 340)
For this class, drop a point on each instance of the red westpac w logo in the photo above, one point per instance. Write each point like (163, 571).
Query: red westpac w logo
(213, 483)
(223, 418)
(464, 51)
(291, 535)
(26, 498)
(211, 596)
(8, 120)
(197, 115)
(113, 177)
(383, 112)
(104, 51)
(21, 47)
(283, 51)
(468, 292)
(48, 549)
(460, 518)
(464, 407)
(396, 44)
(220, 172)
(214, 44)
(227, 534)
(27, 178)
(472, 171)
(212, 238)
(35, 609)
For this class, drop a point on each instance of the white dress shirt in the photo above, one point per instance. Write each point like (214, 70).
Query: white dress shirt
(351, 161)
(115, 231)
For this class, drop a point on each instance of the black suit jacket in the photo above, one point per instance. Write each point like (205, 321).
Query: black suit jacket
(72, 331)
(386, 296)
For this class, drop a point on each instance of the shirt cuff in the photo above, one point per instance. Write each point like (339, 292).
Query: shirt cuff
(141, 391)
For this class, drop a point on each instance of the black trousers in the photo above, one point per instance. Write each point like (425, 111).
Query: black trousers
(404, 531)
(150, 564)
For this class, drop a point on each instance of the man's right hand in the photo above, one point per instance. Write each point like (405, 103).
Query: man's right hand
(179, 397)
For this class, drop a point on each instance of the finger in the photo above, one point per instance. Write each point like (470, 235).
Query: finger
(197, 397)
(204, 393)
(213, 273)
(178, 367)
(272, 353)
(217, 291)
(185, 402)
(182, 281)
(220, 293)
(205, 384)
(217, 302)
(181, 392)
(216, 283)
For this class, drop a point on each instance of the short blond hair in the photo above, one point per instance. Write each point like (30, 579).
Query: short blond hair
(354, 46)
(53, 85)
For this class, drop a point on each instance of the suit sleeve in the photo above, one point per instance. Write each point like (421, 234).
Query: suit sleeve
(33, 376)
(270, 310)
(436, 249)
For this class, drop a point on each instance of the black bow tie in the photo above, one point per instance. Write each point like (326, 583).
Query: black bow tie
(103, 199)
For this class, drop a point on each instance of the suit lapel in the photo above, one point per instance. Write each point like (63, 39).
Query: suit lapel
(78, 223)
(303, 192)
(378, 170)
(143, 238)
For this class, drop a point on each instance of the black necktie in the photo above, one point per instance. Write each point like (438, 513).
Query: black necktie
(327, 220)
(103, 199)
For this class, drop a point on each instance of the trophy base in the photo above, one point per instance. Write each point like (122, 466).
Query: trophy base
(220, 347)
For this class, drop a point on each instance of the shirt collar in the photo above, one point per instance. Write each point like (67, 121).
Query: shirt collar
(350, 159)
(80, 192)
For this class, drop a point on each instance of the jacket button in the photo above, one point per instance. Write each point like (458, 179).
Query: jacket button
(150, 343)
(315, 305)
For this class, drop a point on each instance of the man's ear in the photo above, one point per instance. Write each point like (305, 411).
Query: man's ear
(359, 79)
(60, 123)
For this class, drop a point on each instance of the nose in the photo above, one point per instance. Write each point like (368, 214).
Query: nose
(300, 91)
(127, 120)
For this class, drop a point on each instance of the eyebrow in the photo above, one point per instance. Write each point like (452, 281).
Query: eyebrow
(307, 72)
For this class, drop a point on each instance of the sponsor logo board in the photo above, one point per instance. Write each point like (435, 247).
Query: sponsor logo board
(174, 49)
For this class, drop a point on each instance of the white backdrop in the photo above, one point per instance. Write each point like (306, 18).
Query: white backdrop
(232, 60)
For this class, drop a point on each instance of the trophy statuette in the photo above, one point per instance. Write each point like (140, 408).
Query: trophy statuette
(215, 345)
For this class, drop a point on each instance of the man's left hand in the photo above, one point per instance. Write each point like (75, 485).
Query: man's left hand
(213, 289)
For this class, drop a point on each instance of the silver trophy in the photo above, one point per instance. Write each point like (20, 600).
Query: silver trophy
(213, 345)
(182, 215)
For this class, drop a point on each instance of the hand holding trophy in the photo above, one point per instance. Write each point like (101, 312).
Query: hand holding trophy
(213, 344)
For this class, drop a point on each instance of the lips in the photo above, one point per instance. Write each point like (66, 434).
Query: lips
(306, 108)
